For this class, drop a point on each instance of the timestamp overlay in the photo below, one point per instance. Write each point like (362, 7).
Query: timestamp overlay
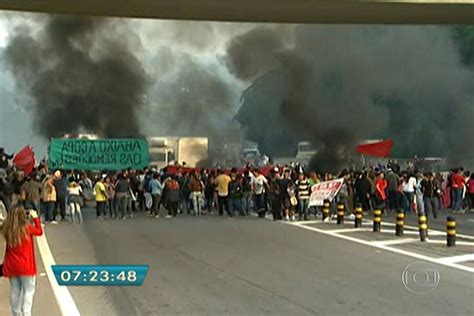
(100, 275)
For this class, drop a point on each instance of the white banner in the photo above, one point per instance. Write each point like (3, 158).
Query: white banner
(325, 191)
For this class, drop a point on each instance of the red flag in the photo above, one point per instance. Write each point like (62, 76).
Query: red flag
(376, 149)
(25, 160)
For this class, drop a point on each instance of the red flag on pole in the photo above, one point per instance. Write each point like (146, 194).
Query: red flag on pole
(25, 160)
(376, 149)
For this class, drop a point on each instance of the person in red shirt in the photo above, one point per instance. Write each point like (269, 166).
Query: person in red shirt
(458, 187)
(19, 264)
(380, 190)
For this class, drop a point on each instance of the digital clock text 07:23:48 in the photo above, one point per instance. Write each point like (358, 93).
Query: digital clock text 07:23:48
(100, 275)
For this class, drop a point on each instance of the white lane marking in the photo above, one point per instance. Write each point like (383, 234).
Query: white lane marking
(460, 243)
(414, 229)
(350, 230)
(394, 241)
(455, 259)
(387, 248)
(63, 297)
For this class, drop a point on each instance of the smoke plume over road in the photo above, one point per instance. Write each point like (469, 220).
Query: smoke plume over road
(79, 77)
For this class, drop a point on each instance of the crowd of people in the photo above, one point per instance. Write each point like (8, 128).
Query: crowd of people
(283, 191)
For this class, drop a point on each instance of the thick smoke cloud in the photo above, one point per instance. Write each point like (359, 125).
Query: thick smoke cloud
(248, 54)
(345, 84)
(79, 77)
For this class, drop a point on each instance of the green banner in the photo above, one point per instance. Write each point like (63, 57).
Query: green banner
(100, 154)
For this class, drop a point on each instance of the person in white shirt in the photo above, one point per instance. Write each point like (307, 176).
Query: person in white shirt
(75, 201)
(409, 186)
(259, 183)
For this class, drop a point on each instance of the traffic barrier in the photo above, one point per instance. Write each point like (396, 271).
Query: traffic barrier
(358, 216)
(451, 231)
(340, 213)
(400, 223)
(423, 227)
(326, 207)
(377, 220)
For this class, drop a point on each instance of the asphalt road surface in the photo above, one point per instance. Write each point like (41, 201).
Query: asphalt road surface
(212, 265)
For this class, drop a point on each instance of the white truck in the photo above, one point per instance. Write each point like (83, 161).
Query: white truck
(166, 151)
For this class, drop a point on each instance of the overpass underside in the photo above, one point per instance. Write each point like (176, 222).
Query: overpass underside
(284, 11)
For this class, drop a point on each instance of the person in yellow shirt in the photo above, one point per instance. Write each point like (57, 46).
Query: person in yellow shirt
(100, 197)
(222, 181)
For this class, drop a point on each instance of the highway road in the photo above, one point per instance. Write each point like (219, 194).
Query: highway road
(212, 265)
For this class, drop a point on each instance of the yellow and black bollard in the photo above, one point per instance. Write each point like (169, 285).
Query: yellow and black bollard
(358, 216)
(451, 229)
(377, 220)
(340, 213)
(423, 227)
(400, 223)
(326, 207)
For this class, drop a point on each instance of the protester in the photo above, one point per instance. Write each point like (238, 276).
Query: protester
(259, 184)
(247, 192)
(4, 158)
(470, 191)
(274, 195)
(196, 187)
(380, 191)
(19, 263)
(172, 196)
(409, 186)
(393, 196)
(458, 185)
(235, 195)
(49, 199)
(75, 201)
(156, 190)
(31, 193)
(60, 183)
(222, 182)
(100, 198)
(110, 192)
(303, 191)
(430, 200)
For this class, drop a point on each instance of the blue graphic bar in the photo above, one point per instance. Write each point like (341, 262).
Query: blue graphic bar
(100, 275)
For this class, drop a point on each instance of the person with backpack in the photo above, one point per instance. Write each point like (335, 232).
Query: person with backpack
(172, 196)
(196, 187)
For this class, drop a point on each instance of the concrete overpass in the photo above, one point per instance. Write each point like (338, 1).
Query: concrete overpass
(285, 11)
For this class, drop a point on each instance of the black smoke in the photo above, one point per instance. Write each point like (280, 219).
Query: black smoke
(80, 77)
(340, 85)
